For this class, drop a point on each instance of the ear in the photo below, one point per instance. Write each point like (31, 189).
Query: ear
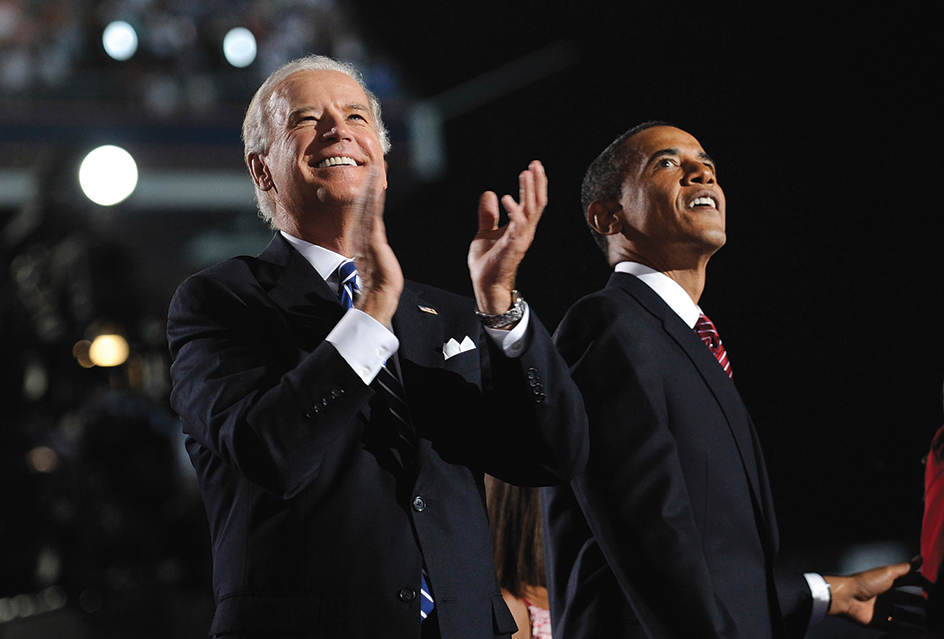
(259, 171)
(602, 216)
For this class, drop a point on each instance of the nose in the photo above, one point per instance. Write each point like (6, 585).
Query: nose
(335, 128)
(699, 173)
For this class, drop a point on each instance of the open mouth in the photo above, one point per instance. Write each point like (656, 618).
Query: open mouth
(336, 161)
(704, 200)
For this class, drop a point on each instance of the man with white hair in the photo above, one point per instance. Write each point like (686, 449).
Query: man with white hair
(339, 418)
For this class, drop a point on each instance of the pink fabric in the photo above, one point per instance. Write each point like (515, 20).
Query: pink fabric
(540, 621)
(932, 527)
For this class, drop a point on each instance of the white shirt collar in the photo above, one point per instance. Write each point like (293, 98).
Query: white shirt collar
(325, 261)
(665, 287)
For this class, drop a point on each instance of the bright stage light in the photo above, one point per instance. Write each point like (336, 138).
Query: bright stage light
(109, 350)
(108, 175)
(239, 47)
(120, 40)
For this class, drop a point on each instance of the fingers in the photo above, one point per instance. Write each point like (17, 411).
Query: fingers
(370, 200)
(532, 196)
(540, 184)
(488, 211)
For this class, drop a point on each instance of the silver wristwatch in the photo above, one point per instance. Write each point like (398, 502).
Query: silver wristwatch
(512, 316)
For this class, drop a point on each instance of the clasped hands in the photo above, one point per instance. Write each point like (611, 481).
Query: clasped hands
(494, 254)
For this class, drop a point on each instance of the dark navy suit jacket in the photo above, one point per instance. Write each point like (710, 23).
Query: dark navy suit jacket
(317, 528)
(670, 531)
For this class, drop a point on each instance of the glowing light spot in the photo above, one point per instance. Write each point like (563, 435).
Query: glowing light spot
(108, 350)
(43, 459)
(239, 47)
(108, 175)
(120, 40)
(81, 353)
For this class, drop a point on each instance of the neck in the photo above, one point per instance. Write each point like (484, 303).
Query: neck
(693, 281)
(328, 229)
(689, 271)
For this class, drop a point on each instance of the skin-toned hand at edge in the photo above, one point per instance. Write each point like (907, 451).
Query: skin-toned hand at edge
(855, 596)
(494, 254)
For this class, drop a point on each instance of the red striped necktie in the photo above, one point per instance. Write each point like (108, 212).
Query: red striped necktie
(709, 335)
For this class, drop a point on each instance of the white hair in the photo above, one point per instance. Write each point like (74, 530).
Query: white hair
(257, 133)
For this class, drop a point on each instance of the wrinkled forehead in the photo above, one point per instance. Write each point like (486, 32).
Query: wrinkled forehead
(314, 88)
(659, 140)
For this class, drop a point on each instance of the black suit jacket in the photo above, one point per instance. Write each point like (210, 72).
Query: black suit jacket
(670, 531)
(317, 528)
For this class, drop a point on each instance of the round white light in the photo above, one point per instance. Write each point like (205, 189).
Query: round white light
(109, 350)
(239, 47)
(120, 40)
(108, 175)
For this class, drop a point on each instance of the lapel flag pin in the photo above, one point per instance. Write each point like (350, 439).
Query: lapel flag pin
(428, 309)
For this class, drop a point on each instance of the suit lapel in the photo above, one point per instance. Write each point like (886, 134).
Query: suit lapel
(310, 306)
(419, 328)
(715, 378)
(420, 333)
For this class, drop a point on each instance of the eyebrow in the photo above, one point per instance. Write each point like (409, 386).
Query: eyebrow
(704, 157)
(360, 108)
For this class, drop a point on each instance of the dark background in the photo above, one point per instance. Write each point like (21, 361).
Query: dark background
(823, 119)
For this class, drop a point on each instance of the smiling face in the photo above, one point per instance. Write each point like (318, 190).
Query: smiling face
(671, 207)
(322, 149)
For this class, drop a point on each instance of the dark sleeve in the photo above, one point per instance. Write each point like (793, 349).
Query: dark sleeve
(633, 492)
(519, 419)
(796, 602)
(244, 393)
(537, 414)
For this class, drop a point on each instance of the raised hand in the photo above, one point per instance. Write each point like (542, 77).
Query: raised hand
(496, 252)
(377, 266)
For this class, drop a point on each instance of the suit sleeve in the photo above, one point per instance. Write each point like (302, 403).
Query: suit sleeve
(537, 423)
(520, 419)
(244, 394)
(633, 492)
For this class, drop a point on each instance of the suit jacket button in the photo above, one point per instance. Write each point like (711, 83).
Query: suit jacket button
(406, 595)
(419, 504)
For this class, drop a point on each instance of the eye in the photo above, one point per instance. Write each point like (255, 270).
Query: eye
(665, 163)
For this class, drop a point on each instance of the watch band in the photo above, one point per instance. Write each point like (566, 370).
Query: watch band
(512, 316)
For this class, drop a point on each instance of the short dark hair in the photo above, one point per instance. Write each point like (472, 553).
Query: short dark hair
(604, 177)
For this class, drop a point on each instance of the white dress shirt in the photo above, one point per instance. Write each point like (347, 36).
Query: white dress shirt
(365, 343)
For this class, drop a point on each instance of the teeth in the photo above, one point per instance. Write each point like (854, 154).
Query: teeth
(703, 201)
(335, 162)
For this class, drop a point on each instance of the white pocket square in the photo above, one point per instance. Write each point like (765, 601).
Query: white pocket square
(453, 348)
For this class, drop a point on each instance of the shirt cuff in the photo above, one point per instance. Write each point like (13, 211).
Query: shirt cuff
(514, 342)
(363, 342)
(822, 597)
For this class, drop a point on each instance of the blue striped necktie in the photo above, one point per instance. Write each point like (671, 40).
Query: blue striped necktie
(347, 287)
(393, 395)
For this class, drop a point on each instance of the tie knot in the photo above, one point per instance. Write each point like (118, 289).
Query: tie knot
(347, 284)
(709, 335)
(347, 272)
(706, 330)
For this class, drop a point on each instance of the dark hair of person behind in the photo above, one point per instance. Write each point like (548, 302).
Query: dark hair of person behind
(604, 177)
(515, 516)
